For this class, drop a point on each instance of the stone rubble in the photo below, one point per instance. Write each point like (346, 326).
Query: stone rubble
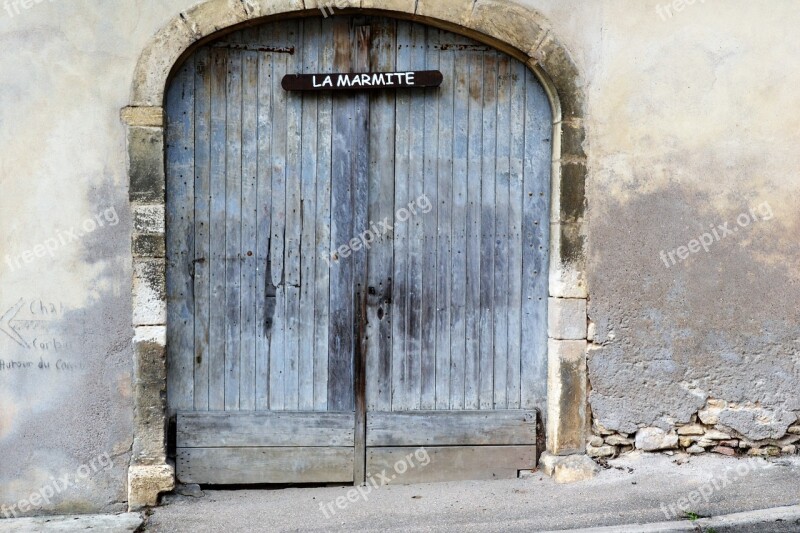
(705, 434)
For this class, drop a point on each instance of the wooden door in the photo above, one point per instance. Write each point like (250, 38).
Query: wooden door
(292, 362)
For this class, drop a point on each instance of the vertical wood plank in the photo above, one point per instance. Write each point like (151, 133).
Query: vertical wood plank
(487, 244)
(360, 223)
(416, 233)
(444, 249)
(180, 242)
(341, 341)
(381, 203)
(536, 238)
(249, 248)
(323, 227)
(233, 231)
(401, 363)
(202, 259)
(473, 250)
(501, 250)
(217, 259)
(265, 289)
(308, 256)
(427, 222)
(277, 387)
(294, 125)
(517, 148)
(458, 300)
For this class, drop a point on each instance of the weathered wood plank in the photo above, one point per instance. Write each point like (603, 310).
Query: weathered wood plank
(201, 220)
(458, 299)
(536, 239)
(501, 186)
(360, 223)
(277, 258)
(487, 245)
(249, 247)
(401, 359)
(444, 249)
(341, 340)
(427, 225)
(294, 222)
(323, 229)
(473, 247)
(308, 211)
(416, 173)
(265, 290)
(457, 463)
(217, 259)
(381, 208)
(233, 232)
(180, 238)
(241, 466)
(216, 429)
(451, 428)
(517, 149)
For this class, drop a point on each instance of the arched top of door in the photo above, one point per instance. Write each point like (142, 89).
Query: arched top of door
(520, 31)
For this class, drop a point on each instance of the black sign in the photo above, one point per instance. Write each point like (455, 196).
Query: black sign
(361, 81)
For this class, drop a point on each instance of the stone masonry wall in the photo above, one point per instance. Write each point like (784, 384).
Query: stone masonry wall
(720, 427)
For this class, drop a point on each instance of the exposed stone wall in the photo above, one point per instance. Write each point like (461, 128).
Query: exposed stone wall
(720, 427)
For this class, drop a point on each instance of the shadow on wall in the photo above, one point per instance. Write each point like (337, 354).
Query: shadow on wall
(66, 401)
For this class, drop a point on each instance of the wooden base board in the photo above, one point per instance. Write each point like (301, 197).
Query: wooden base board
(407, 465)
(242, 466)
(452, 428)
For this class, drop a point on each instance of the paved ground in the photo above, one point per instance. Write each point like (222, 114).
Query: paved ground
(121, 523)
(638, 489)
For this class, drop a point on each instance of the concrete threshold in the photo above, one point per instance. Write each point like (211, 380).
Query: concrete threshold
(119, 523)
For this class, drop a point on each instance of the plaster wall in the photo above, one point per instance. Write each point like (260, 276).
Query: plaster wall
(690, 124)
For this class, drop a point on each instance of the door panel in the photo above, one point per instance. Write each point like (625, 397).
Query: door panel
(433, 335)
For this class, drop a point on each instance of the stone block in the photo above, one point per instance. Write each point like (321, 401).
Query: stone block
(710, 415)
(149, 218)
(146, 483)
(509, 22)
(724, 450)
(619, 440)
(566, 397)
(149, 292)
(150, 383)
(143, 245)
(455, 11)
(146, 156)
(214, 15)
(601, 451)
(655, 439)
(148, 116)
(756, 423)
(691, 429)
(566, 318)
(560, 67)
(157, 61)
(402, 6)
(567, 261)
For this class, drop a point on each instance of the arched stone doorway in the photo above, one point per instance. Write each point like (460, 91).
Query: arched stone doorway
(510, 28)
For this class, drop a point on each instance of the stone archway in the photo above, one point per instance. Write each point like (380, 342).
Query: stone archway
(516, 30)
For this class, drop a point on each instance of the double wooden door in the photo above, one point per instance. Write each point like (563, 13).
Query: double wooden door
(354, 276)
